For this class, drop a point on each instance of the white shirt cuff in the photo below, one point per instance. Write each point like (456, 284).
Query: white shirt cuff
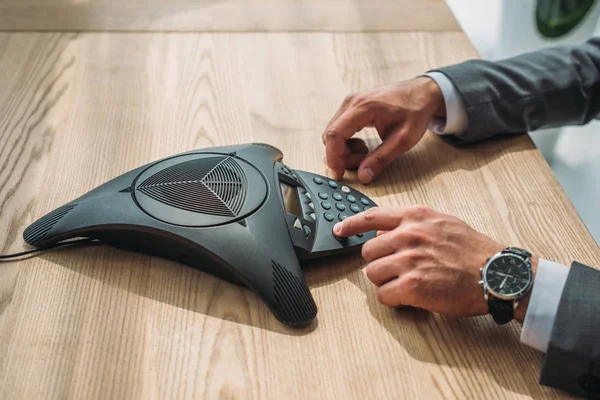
(550, 279)
(456, 120)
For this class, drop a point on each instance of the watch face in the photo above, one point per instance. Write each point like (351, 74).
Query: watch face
(507, 276)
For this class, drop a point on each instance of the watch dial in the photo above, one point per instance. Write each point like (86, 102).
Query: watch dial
(507, 275)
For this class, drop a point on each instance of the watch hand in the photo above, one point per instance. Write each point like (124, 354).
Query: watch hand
(503, 282)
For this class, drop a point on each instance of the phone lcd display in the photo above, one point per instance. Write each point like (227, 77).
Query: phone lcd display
(291, 199)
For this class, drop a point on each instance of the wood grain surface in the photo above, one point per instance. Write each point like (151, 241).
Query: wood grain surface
(97, 322)
(230, 15)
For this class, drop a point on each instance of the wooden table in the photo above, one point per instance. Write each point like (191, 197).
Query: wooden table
(77, 109)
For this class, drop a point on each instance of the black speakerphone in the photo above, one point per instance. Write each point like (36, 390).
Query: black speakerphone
(236, 212)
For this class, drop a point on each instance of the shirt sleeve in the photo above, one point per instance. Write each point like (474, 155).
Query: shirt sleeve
(550, 279)
(456, 121)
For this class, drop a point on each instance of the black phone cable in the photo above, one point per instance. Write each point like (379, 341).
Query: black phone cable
(11, 257)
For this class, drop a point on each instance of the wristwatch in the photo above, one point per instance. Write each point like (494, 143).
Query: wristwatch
(506, 278)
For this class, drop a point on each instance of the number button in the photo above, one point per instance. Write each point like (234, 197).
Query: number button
(337, 196)
(326, 205)
(354, 208)
(351, 198)
(340, 206)
(317, 180)
(333, 184)
(328, 216)
(342, 216)
(323, 196)
(365, 201)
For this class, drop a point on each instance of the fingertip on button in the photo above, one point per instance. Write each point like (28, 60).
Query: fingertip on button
(337, 228)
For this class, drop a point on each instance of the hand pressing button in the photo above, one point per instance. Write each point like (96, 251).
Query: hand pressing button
(340, 238)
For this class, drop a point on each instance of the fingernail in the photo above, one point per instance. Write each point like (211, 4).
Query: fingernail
(337, 228)
(368, 174)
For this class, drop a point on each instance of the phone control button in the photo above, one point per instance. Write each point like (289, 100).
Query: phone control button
(328, 216)
(297, 224)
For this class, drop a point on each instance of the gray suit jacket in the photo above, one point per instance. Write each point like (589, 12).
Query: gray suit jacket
(553, 87)
(548, 88)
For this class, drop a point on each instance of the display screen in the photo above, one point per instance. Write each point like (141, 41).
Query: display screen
(291, 200)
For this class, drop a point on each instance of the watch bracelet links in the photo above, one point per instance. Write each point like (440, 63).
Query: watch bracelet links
(503, 310)
(517, 251)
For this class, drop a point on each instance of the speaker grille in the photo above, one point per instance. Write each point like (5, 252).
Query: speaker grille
(36, 232)
(211, 185)
(293, 296)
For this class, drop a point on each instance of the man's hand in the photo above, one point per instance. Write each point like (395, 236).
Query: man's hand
(400, 113)
(426, 259)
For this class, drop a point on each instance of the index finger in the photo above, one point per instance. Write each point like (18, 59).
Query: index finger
(339, 131)
(376, 218)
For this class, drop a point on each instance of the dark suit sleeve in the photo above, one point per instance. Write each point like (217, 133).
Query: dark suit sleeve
(573, 358)
(548, 88)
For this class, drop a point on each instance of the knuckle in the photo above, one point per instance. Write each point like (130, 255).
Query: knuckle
(330, 133)
(412, 282)
(370, 214)
(349, 99)
(361, 99)
(369, 271)
(381, 160)
(348, 224)
(416, 237)
(367, 251)
(385, 297)
(364, 252)
(420, 211)
(369, 102)
(412, 257)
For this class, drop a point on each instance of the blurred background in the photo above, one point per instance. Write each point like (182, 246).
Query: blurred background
(504, 28)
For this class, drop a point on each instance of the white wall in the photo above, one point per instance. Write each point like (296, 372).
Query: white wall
(503, 28)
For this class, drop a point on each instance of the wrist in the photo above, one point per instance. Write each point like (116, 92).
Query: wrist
(521, 310)
(433, 98)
